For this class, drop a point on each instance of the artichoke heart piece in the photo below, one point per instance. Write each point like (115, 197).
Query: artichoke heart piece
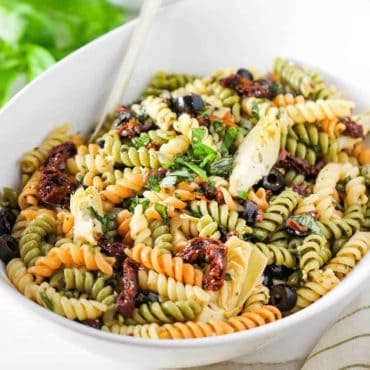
(86, 208)
(257, 154)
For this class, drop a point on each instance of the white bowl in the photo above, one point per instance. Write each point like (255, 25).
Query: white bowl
(197, 37)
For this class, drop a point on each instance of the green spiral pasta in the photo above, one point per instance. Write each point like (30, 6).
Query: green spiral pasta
(162, 237)
(277, 255)
(337, 228)
(129, 156)
(33, 235)
(292, 177)
(159, 137)
(320, 89)
(226, 219)
(149, 331)
(306, 135)
(162, 81)
(84, 282)
(280, 209)
(294, 76)
(208, 228)
(229, 98)
(71, 308)
(313, 253)
(366, 222)
(165, 312)
(300, 150)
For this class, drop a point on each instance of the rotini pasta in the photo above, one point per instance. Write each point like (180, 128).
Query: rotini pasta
(209, 206)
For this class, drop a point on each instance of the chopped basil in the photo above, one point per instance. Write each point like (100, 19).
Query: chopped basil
(162, 210)
(47, 301)
(153, 182)
(104, 220)
(228, 277)
(309, 222)
(243, 194)
(276, 89)
(130, 204)
(229, 138)
(197, 134)
(221, 167)
(142, 140)
(196, 169)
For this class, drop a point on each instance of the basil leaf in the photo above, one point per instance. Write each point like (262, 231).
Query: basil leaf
(309, 222)
(229, 138)
(197, 134)
(142, 140)
(196, 169)
(221, 167)
(228, 277)
(153, 182)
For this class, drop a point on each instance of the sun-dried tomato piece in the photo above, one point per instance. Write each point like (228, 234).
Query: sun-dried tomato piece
(55, 187)
(302, 189)
(244, 86)
(197, 249)
(289, 161)
(353, 129)
(115, 249)
(59, 154)
(126, 299)
(95, 324)
(295, 228)
(134, 128)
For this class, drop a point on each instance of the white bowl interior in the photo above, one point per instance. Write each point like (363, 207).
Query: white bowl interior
(196, 37)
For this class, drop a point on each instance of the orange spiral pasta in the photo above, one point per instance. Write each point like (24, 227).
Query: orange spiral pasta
(247, 320)
(123, 221)
(259, 197)
(332, 127)
(30, 193)
(124, 188)
(72, 255)
(166, 264)
(65, 223)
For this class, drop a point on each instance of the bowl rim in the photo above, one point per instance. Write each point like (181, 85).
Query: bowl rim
(344, 289)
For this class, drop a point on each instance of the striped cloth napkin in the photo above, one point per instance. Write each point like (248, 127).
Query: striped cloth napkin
(345, 346)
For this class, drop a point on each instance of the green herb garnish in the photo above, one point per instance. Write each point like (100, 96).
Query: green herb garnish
(196, 169)
(309, 222)
(243, 194)
(229, 138)
(221, 167)
(153, 182)
(228, 277)
(142, 140)
(199, 150)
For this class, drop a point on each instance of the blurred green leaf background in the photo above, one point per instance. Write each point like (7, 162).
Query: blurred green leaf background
(34, 34)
